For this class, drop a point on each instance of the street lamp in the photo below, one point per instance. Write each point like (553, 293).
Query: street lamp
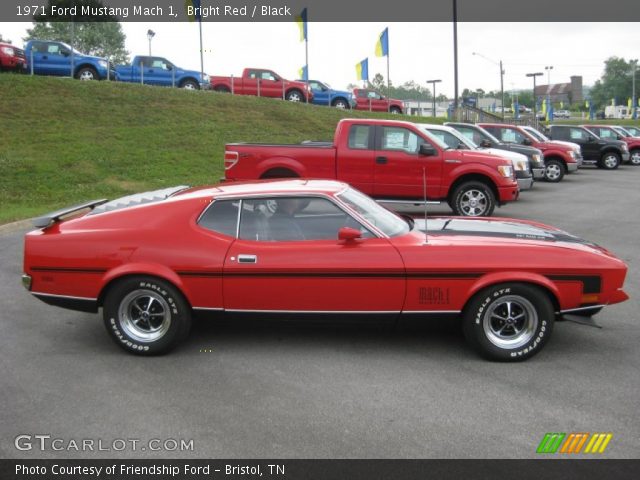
(634, 106)
(534, 75)
(433, 82)
(548, 68)
(501, 76)
(150, 35)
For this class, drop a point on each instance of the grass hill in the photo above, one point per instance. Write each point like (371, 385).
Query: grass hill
(63, 141)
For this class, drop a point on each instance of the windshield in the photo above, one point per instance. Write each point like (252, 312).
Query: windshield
(384, 220)
(539, 136)
(450, 138)
(622, 131)
(76, 52)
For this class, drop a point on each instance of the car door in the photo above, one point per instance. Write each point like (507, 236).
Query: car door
(588, 143)
(158, 72)
(53, 61)
(399, 165)
(288, 258)
(320, 93)
(356, 157)
(270, 84)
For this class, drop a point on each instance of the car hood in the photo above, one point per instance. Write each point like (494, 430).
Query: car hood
(571, 145)
(508, 154)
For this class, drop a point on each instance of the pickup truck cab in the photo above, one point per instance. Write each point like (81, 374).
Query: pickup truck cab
(392, 161)
(604, 153)
(455, 139)
(323, 94)
(484, 139)
(263, 83)
(161, 72)
(609, 132)
(559, 158)
(55, 58)
(12, 58)
(367, 99)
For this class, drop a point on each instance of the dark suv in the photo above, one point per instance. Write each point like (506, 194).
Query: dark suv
(605, 153)
(484, 139)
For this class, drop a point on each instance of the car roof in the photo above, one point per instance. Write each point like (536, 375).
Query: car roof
(266, 187)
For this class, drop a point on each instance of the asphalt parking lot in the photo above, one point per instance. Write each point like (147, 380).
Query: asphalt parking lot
(295, 391)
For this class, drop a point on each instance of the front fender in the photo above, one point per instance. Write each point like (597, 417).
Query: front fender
(522, 277)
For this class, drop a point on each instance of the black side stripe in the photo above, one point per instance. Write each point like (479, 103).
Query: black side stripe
(69, 270)
(281, 274)
(590, 283)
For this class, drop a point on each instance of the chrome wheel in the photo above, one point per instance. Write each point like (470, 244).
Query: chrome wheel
(294, 97)
(86, 75)
(473, 203)
(189, 86)
(340, 104)
(635, 157)
(552, 171)
(510, 322)
(610, 161)
(144, 315)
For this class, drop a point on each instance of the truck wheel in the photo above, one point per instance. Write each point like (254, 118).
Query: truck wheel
(395, 110)
(294, 96)
(474, 199)
(610, 161)
(87, 73)
(222, 89)
(553, 171)
(508, 322)
(634, 157)
(146, 316)
(190, 85)
(340, 103)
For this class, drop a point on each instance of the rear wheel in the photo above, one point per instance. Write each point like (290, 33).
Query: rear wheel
(508, 322)
(222, 89)
(146, 316)
(294, 96)
(610, 161)
(473, 199)
(553, 170)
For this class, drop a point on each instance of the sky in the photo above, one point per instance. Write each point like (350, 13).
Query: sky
(418, 51)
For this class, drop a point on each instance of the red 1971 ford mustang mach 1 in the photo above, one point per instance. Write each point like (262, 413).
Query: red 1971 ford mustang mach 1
(308, 248)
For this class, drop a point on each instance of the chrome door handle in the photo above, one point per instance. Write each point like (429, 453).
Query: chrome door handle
(243, 258)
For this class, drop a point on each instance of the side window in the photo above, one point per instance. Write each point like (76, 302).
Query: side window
(293, 219)
(53, 49)
(160, 63)
(268, 76)
(402, 139)
(359, 137)
(145, 61)
(315, 86)
(221, 217)
(253, 74)
(577, 134)
(559, 133)
(606, 133)
(471, 134)
(447, 138)
(363, 94)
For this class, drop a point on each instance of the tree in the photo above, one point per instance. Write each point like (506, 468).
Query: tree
(615, 82)
(378, 82)
(93, 36)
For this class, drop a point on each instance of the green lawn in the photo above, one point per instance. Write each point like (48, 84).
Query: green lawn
(63, 141)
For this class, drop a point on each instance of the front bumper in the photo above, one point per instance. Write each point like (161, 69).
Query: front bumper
(538, 173)
(508, 193)
(572, 167)
(625, 157)
(525, 183)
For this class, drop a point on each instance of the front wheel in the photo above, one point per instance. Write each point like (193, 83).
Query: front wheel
(610, 161)
(508, 322)
(473, 199)
(294, 96)
(553, 171)
(634, 157)
(341, 103)
(87, 73)
(190, 85)
(395, 110)
(146, 316)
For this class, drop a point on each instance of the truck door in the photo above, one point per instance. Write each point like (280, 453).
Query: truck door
(399, 165)
(355, 155)
(589, 144)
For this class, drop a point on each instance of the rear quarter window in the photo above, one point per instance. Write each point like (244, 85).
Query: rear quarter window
(221, 217)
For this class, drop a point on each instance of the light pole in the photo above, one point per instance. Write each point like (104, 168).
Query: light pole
(548, 68)
(634, 106)
(433, 82)
(501, 76)
(455, 53)
(150, 35)
(534, 75)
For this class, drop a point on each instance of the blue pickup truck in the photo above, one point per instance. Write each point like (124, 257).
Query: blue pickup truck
(160, 71)
(323, 94)
(59, 59)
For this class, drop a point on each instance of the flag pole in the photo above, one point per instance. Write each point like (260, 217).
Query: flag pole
(388, 80)
(201, 53)
(306, 62)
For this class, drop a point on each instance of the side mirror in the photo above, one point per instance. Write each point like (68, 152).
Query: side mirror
(65, 53)
(349, 234)
(526, 141)
(427, 150)
(485, 143)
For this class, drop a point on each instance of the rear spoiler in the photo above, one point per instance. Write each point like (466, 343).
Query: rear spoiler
(54, 217)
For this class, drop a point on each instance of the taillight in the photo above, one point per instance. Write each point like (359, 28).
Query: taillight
(230, 159)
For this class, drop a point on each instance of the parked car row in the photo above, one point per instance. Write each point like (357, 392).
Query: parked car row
(45, 57)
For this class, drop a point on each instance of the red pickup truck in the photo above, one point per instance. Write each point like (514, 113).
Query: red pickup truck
(559, 157)
(263, 83)
(388, 160)
(367, 99)
(12, 58)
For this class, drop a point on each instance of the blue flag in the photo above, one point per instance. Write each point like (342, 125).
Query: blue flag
(301, 20)
(382, 47)
(362, 69)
